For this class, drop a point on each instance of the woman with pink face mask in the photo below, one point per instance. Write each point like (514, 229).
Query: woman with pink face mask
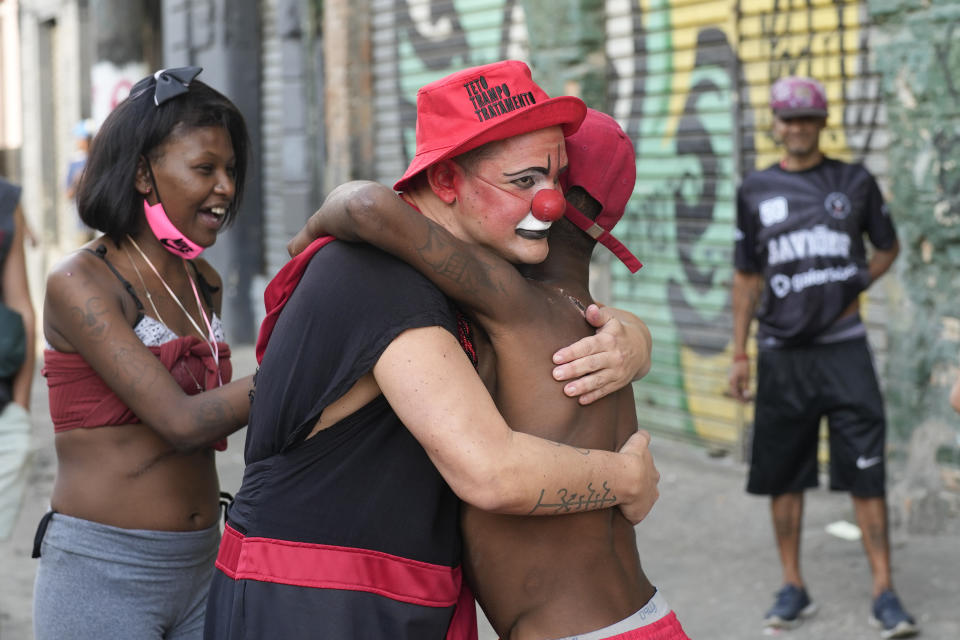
(133, 337)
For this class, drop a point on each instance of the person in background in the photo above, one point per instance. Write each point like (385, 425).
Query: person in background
(17, 356)
(139, 371)
(800, 265)
(83, 133)
(600, 589)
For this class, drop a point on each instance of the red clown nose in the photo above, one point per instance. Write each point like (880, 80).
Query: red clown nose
(548, 205)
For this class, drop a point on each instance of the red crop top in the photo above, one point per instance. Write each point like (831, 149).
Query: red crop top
(79, 398)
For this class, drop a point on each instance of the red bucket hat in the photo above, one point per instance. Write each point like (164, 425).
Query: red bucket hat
(797, 97)
(475, 106)
(601, 159)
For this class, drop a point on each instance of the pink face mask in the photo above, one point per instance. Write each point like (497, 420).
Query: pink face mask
(168, 235)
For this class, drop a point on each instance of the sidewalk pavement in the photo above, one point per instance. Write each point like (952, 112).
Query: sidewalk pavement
(706, 545)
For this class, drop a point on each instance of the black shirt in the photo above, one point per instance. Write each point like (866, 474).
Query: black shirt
(803, 231)
(364, 482)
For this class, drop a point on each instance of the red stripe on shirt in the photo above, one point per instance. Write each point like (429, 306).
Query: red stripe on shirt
(330, 567)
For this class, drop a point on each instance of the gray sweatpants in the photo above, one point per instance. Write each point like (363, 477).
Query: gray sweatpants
(98, 581)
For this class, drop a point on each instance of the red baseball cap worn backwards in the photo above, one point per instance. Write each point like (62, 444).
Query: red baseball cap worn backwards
(797, 97)
(478, 105)
(602, 160)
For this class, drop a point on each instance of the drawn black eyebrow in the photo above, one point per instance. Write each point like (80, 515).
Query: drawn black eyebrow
(543, 170)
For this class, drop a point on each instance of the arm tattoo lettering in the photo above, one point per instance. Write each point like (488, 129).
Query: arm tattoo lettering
(567, 501)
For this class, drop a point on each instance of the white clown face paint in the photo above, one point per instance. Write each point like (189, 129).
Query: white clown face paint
(498, 198)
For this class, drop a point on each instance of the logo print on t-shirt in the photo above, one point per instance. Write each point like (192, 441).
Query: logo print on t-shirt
(780, 285)
(837, 204)
(773, 211)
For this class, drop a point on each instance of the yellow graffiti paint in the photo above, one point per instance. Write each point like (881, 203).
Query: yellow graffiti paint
(716, 416)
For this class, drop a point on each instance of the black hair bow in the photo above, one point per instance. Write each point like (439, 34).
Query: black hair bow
(173, 82)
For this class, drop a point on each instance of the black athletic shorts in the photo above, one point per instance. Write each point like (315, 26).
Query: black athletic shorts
(795, 388)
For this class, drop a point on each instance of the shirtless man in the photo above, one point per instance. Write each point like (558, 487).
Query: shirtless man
(535, 578)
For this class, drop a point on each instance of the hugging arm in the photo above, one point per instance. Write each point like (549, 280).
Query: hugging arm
(481, 282)
(617, 354)
(81, 311)
(432, 387)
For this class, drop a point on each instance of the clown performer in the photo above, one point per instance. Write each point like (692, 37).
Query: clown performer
(369, 422)
(600, 590)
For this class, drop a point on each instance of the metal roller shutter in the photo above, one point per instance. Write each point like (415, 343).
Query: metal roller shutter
(688, 80)
(416, 42)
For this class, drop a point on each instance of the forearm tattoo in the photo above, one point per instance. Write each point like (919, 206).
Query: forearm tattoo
(567, 501)
(133, 372)
(212, 415)
(472, 276)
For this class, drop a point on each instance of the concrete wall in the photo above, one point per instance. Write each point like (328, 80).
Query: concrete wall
(11, 115)
(918, 49)
(51, 33)
(223, 37)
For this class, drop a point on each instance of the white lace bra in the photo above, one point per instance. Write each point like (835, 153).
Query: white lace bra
(153, 333)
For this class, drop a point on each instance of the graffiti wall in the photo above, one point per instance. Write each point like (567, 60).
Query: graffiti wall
(689, 82)
(692, 86)
(919, 53)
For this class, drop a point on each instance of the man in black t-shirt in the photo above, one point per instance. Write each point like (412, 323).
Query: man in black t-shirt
(800, 265)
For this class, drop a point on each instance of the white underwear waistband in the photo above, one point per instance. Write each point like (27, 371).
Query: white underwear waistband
(655, 609)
